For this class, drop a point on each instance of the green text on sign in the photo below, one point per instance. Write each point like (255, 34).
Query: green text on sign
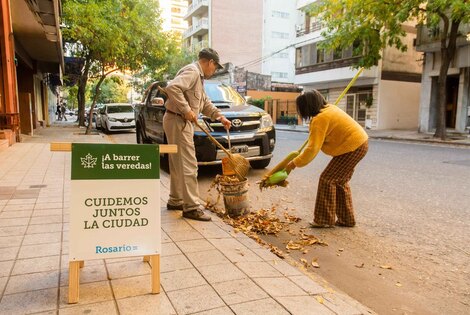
(115, 161)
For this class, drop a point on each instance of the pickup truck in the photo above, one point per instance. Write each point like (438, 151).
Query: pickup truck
(252, 134)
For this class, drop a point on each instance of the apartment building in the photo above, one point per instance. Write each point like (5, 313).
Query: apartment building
(31, 64)
(385, 96)
(173, 13)
(458, 80)
(256, 35)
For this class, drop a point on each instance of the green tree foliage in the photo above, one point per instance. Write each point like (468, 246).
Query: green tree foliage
(113, 35)
(378, 24)
(112, 90)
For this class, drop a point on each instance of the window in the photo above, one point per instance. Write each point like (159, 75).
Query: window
(279, 75)
(280, 14)
(176, 10)
(280, 35)
(337, 54)
(320, 55)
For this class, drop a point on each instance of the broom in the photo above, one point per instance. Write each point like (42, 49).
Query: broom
(239, 164)
(278, 173)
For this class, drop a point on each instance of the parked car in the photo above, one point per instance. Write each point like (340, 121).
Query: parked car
(115, 116)
(252, 134)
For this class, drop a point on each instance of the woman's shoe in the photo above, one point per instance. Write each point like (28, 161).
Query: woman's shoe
(320, 226)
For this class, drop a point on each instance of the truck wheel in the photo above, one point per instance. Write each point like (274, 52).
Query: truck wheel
(259, 164)
(138, 136)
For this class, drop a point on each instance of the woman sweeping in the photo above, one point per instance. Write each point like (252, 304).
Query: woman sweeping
(337, 134)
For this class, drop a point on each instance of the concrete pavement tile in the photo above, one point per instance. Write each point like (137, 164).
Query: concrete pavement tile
(207, 258)
(266, 254)
(181, 279)
(65, 247)
(226, 243)
(44, 228)
(343, 304)
(194, 246)
(37, 301)
(49, 212)
(64, 262)
(240, 254)
(10, 241)
(15, 214)
(14, 222)
(18, 207)
(89, 273)
(169, 249)
(308, 284)
(39, 250)
(279, 287)
(157, 304)
(93, 292)
(256, 269)
(12, 230)
(194, 300)
(128, 269)
(42, 238)
(209, 230)
(173, 226)
(5, 267)
(221, 273)
(285, 268)
(21, 202)
(46, 219)
(65, 226)
(265, 306)
(239, 291)
(32, 281)
(248, 242)
(48, 205)
(304, 305)
(217, 311)
(170, 216)
(132, 286)
(66, 218)
(42, 264)
(8, 253)
(185, 235)
(165, 238)
(3, 282)
(96, 308)
(176, 262)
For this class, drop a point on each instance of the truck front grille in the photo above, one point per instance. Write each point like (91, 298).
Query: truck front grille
(238, 124)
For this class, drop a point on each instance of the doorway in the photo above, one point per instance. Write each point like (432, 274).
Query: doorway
(356, 107)
(452, 92)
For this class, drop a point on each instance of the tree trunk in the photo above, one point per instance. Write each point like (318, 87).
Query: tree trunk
(448, 48)
(82, 82)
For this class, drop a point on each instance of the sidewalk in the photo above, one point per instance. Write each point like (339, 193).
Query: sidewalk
(206, 268)
(400, 135)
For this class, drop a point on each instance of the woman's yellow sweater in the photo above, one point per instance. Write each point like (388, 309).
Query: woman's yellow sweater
(334, 132)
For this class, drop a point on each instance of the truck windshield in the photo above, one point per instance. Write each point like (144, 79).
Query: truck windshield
(221, 93)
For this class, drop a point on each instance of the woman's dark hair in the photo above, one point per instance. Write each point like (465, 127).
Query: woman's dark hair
(309, 104)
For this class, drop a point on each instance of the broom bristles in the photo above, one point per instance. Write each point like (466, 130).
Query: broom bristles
(240, 165)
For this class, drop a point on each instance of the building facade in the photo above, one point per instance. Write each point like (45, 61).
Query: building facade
(458, 81)
(173, 13)
(32, 63)
(385, 96)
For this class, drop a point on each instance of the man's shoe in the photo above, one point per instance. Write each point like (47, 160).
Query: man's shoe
(197, 214)
(343, 224)
(319, 226)
(173, 207)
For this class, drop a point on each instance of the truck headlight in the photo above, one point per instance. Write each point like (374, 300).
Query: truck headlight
(266, 121)
(111, 119)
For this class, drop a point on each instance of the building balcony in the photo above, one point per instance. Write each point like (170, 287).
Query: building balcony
(304, 29)
(341, 63)
(200, 28)
(427, 39)
(197, 46)
(197, 7)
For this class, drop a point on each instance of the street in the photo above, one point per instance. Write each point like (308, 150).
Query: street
(409, 252)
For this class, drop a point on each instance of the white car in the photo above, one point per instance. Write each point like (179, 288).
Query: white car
(116, 117)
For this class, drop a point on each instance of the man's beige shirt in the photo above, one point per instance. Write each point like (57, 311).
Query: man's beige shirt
(186, 92)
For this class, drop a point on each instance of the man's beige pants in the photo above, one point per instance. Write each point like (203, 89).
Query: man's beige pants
(183, 165)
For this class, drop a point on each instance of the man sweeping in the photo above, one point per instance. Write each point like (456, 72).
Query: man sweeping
(338, 135)
(186, 99)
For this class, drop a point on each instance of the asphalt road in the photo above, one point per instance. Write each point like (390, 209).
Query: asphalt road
(412, 204)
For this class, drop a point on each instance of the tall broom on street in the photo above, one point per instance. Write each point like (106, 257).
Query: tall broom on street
(278, 174)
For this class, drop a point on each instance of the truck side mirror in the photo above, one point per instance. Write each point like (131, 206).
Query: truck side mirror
(157, 101)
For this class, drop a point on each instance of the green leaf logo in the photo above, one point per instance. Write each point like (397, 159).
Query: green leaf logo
(88, 161)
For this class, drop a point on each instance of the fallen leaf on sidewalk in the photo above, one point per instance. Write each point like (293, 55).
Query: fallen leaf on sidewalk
(320, 299)
(386, 267)
(398, 284)
(359, 266)
(315, 264)
(304, 262)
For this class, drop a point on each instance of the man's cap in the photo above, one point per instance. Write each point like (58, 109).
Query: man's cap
(209, 53)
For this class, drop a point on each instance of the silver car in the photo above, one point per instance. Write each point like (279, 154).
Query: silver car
(116, 117)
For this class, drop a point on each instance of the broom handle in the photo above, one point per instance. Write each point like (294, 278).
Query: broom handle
(213, 139)
(339, 98)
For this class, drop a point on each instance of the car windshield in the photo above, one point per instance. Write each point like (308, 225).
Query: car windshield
(120, 109)
(221, 93)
